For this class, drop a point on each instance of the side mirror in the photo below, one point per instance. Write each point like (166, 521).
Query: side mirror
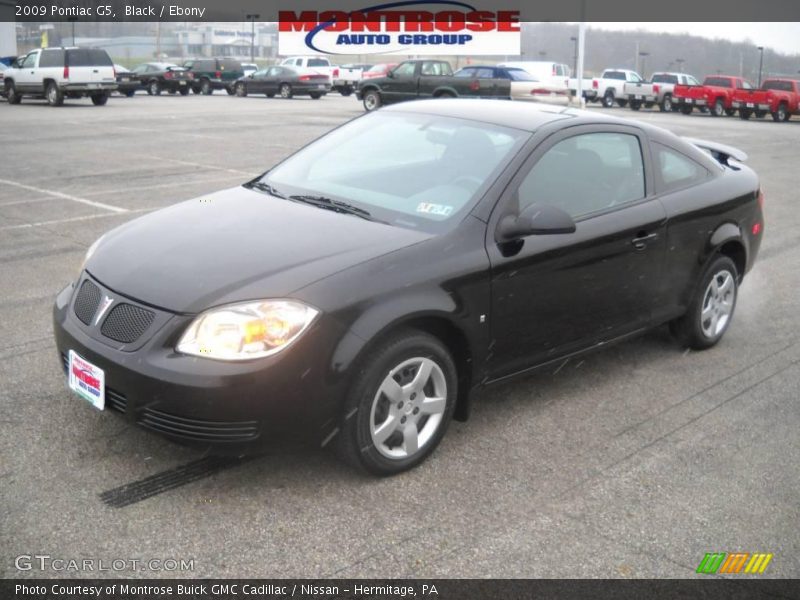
(536, 219)
(390, 74)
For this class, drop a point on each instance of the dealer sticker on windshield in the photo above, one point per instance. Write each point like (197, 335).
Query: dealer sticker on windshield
(440, 210)
(87, 380)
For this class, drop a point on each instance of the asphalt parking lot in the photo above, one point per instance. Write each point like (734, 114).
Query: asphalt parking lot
(633, 462)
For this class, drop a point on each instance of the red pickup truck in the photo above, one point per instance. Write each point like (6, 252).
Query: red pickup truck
(781, 97)
(716, 94)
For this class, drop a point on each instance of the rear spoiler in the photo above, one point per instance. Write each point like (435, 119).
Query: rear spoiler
(720, 152)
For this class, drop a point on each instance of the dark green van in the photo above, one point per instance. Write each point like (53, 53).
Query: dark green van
(214, 74)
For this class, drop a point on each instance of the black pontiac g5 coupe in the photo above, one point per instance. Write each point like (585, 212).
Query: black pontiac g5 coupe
(359, 293)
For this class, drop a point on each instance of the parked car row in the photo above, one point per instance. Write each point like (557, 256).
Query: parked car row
(727, 94)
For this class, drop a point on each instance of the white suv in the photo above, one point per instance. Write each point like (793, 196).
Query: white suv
(56, 73)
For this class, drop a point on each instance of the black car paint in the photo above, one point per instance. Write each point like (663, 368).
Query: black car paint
(268, 81)
(502, 309)
(397, 88)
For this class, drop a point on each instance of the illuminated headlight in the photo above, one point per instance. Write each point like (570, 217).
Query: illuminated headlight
(247, 330)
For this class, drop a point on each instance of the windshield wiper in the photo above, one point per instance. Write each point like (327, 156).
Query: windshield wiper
(334, 205)
(264, 187)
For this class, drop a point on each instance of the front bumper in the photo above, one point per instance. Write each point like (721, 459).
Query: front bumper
(284, 399)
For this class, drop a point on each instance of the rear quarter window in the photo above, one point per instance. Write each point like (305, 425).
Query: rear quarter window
(676, 170)
(52, 58)
(782, 86)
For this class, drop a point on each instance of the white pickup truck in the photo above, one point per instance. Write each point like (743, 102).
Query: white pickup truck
(610, 86)
(344, 79)
(58, 73)
(657, 91)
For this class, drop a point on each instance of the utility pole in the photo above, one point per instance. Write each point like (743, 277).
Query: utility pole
(252, 18)
(575, 54)
(644, 56)
(760, 64)
(72, 20)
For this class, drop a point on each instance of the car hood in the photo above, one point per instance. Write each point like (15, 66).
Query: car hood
(235, 245)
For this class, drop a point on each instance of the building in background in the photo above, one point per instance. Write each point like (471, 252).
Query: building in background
(227, 39)
(8, 31)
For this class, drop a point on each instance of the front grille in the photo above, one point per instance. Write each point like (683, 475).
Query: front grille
(126, 323)
(197, 429)
(116, 401)
(86, 301)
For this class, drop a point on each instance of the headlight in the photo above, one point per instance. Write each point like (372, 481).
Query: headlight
(247, 330)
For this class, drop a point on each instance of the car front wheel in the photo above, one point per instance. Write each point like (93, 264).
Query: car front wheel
(286, 90)
(241, 90)
(711, 310)
(154, 88)
(11, 93)
(400, 405)
(372, 100)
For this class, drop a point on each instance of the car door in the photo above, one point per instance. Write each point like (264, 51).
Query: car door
(402, 85)
(257, 82)
(273, 79)
(25, 78)
(555, 294)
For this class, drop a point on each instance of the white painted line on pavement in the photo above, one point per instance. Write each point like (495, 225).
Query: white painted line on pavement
(116, 209)
(74, 219)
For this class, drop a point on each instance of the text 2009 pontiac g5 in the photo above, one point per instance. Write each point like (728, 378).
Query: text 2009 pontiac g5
(362, 290)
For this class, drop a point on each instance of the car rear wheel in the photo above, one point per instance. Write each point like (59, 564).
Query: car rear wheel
(666, 104)
(608, 99)
(130, 93)
(346, 90)
(286, 90)
(636, 104)
(744, 114)
(622, 103)
(315, 95)
(779, 115)
(400, 404)
(372, 100)
(184, 91)
(711, 310)
(12, 95)
(154, 88)
(241, 90)
(686, 109)
(719, 108)
(55, 97)
(205, 88)
(100, 99)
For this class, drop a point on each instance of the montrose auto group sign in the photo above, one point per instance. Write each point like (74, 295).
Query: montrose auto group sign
(401, 28)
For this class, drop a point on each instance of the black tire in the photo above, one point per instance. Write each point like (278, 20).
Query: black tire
(636, 104)
(687, 109)
(346, 90)
(622, 103)
(608, 99)
(12, 95)
(54, 96)
(205, 87)
(745, 114)
(100, 99)
(718, 109)
(730, 111)
(372, 100)
(666, 104)
(154, 88)
(241, 89)
(184, 91)
(270, 95)
(689, 329)
(230, 90)
(130, 93)
(285, 91)
(778, 116)
(315, 95)
(355, 443)
(196, 89)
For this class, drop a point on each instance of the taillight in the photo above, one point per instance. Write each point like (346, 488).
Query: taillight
(168, 75)
(218, 74)
(595, 84)
(540, 91)
(304, 77)
(335, 72)
(190, 75)
(656, 89)
(475, 85)
(66, 71)
(756, 228)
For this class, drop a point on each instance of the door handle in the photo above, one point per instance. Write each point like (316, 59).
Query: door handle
(95, 71)
(641, 239)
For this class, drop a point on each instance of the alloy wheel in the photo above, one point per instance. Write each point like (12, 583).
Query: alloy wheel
(718, 301)
(408, 408)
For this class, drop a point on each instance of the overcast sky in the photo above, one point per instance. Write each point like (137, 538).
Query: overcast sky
(783, 37)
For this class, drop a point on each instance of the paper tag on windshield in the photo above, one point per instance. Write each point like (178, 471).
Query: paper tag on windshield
(440, 210)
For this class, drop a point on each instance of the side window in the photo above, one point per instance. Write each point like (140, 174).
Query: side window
(691, 80)
(30, 61)
(676, 170)
(466, 73)
(485, 73)
(586, 173)
(431, 68)
(405, 70)
(52, 58)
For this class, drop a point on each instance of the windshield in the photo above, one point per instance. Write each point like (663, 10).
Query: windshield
(407, 169)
